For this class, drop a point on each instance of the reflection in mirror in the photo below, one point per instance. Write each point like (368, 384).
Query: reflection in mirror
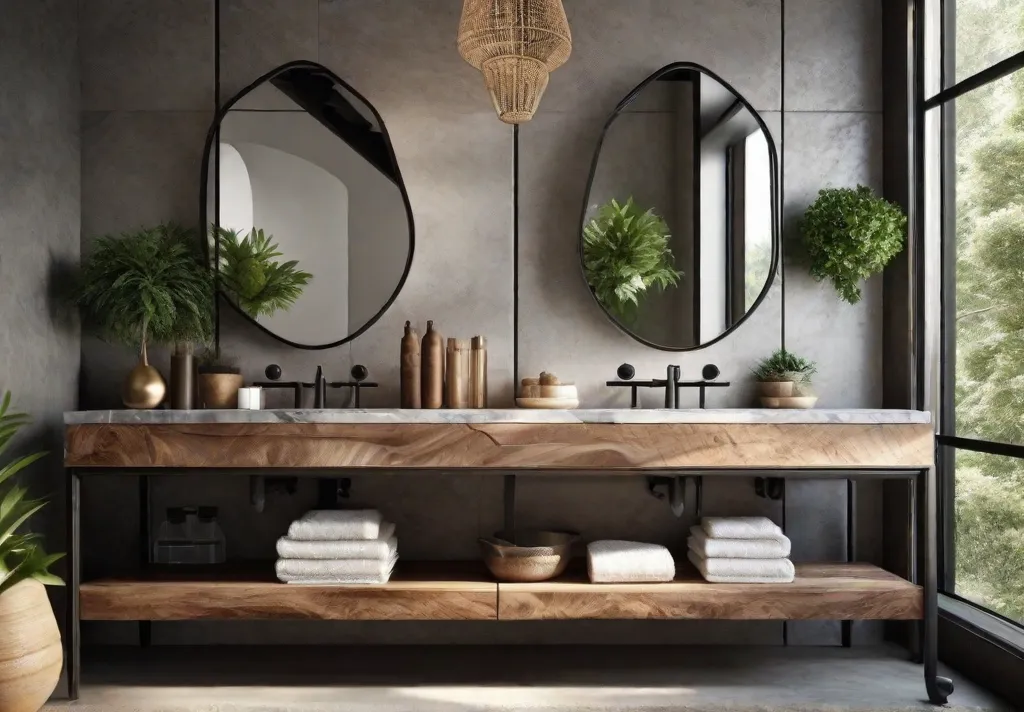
(315, 229)
(679, 237)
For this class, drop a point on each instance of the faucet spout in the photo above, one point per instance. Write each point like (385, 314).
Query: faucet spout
(672, 387)
(319, 388)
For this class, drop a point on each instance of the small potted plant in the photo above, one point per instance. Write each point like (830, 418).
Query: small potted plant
(30, 649)
(784, 380)
(625, 254)
(149, 286)
(851, 234)
(219, 380)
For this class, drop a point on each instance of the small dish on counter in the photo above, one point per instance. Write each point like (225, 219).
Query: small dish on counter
(547, 392)
(792, 402)
(548, 403)
(527, 556)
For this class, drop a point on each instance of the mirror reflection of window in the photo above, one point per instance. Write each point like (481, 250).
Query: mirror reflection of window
(688, 148)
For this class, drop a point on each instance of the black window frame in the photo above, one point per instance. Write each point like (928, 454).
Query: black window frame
(944, 102)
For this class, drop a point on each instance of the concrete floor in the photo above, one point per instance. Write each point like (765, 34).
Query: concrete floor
(454, 679)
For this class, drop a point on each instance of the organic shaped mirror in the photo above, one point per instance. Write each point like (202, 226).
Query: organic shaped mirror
(679, 236)
(310, 224)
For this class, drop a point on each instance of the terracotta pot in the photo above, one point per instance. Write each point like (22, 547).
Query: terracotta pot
(30, 649)
(775, 389)
(219, 390)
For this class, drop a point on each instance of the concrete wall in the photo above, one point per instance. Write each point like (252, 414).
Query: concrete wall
(148, 86)
(39, 236)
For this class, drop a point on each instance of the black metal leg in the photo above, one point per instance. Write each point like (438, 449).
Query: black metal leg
(510, 504)
(72, 635)
(851, 547)
(914, 563)
(145, 524)
(939, 688)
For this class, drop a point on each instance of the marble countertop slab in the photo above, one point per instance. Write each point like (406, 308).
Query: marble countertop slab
(515, 415)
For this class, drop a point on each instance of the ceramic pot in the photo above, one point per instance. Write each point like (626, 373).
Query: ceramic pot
(219, 390)
(30, 649)
(144, 387)
(775, 389)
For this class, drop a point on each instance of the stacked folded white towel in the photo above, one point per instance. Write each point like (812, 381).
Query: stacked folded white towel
(740, 550)
(612, 561)
(338, 547)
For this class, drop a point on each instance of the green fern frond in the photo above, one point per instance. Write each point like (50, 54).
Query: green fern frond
(625, 254)
(253, 278)
(147, 286)
(21, 555)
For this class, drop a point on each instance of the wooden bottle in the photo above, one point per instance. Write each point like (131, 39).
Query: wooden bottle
(478, 373)
(410, 372)
(432, 369)
(457, 373)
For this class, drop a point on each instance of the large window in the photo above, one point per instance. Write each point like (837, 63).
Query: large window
(973, 158)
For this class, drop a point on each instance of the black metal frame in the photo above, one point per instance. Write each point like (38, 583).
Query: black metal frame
(944, 101)
(923, 526)
(211, 138)
(773, 159)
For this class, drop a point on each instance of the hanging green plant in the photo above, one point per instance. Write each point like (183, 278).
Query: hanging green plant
(252, 276)
(851, 234)
(625, 254)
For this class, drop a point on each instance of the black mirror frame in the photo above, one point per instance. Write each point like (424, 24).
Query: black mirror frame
(773, 159)
(211, 137)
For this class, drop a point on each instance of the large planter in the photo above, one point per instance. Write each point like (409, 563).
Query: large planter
(30, 649)
(219, 390)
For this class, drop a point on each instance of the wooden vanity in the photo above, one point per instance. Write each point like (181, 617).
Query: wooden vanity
(848, 445)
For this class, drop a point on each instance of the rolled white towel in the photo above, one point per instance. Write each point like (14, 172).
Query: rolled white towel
(613, 561)
(337, 525)
(738, 548)
(743, 570)
(335, 570)
(380, 548)
(741, 528)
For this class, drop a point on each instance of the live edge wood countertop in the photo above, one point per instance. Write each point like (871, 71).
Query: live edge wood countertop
(501, 440)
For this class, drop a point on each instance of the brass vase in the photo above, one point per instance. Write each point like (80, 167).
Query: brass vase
(144, 387)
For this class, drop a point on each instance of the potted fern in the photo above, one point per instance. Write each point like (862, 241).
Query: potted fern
(851, 234)
(142, 288)
(30, 649)
(784, 380)
(625, 254)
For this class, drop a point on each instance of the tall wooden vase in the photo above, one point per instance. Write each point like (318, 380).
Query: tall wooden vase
(30, 650)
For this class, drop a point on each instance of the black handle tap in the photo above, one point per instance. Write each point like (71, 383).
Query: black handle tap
(672, 387)
(319, 388)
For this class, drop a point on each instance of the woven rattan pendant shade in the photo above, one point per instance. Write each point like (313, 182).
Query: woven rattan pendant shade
(516, 44)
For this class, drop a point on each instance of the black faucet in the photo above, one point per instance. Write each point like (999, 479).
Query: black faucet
(671, 383)
(319, 388)
(671, 387)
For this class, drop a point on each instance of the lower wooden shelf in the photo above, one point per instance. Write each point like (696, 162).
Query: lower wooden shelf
(820, 591)
(417, 591)
(464, 591)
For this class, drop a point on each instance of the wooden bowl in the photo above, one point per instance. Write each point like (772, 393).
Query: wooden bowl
(527, 556)
(548, 403)
(793, 402)
(565, 390)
